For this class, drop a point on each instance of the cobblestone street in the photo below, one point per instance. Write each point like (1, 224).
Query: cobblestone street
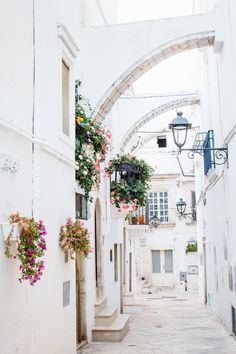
(170, 323)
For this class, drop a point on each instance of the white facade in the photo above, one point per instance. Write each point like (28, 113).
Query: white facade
(37, 37)
(216, 191)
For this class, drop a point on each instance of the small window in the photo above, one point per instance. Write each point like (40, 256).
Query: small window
(161, 142)
(156, 262)
(81, 207)
(168, 261)
(115, 262)
(65, 98)
(193, 201)
(233, 320)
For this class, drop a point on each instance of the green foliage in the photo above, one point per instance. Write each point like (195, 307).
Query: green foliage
(131, 193)
(74, 237)
(191, 247)
(92, 144)
(31, 247)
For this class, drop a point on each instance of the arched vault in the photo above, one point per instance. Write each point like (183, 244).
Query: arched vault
(120, 54)
(181, 102)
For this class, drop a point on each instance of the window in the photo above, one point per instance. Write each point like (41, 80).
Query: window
(193, 201)
(81, 207)
(156, 262)
(233, 320)
(161, 142)
(158, 205)
(168, 261)
(65, 98)
(115, 262)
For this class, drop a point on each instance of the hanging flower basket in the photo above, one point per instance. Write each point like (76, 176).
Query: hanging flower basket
(130, 179)
(31, 246)
(74, 237)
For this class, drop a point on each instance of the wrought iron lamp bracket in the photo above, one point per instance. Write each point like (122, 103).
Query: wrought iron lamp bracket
(220, 155)
(188, 215)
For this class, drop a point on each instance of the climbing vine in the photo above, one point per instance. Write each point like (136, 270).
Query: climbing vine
(92, 144)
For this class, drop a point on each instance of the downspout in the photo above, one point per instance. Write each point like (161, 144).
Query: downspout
(33, 116)
(102, 13)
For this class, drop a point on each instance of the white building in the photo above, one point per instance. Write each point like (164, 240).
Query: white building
(46, 46)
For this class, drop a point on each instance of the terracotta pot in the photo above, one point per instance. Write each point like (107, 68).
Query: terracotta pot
(141, 219)
(134, 220)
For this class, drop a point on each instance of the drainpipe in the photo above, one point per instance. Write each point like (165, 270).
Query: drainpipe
(35, 147)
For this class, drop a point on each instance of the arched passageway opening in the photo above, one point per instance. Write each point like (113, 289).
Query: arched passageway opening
(182, 102)
(146, 63)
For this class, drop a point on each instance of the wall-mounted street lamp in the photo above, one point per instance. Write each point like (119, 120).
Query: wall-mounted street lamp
(203, 143)
(181, 207)
(154, 222)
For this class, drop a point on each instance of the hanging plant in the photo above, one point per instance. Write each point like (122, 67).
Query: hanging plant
(31, 247)
(191, 247)
(74, 237)
(92, 144)
(130, 190)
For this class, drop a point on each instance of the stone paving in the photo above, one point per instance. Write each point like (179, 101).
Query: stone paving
(170, 323)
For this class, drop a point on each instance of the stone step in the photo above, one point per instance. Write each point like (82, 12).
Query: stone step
(106, 317)
(132, 308)
(100, 304)
(128, 298)
(113, 333)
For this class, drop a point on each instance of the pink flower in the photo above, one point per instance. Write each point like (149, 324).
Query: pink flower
(97, 167)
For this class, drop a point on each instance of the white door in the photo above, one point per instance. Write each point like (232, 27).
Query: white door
(162, 268)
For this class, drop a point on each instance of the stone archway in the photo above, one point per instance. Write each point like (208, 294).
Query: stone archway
(147, 62)
(181, 102)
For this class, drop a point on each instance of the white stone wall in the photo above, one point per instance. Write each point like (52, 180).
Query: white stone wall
(218, 107)
(35, 316)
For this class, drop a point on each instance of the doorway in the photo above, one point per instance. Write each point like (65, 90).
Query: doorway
(162, 268)
(81, 329)
(98, 251)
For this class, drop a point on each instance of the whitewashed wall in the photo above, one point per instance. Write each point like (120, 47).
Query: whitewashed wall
(218, 113)
(35, 315)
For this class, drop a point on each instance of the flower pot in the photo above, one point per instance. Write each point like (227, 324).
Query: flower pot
(141, 219)
(134, 220)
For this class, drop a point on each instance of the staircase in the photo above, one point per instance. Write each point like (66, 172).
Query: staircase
(110, 326)
(132, 304)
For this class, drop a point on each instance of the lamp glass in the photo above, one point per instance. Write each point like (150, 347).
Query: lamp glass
(181, 206)
(179, 127)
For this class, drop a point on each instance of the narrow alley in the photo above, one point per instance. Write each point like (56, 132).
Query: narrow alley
(170, 323)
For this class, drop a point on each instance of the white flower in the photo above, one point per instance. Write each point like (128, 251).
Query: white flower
(80, 157)
(85, 173)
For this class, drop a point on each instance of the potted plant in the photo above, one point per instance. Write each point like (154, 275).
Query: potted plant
(74, 237)
(129, 187)
(31, 247)
(191, 247)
